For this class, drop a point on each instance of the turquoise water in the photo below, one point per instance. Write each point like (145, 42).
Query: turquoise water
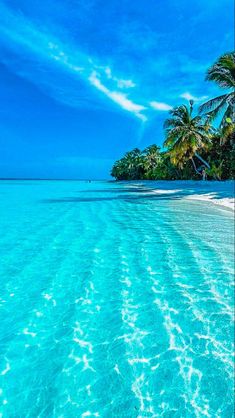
(113, 303)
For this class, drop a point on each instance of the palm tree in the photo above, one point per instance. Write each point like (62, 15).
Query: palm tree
(119, 170)
(186, 135)
(152, 159)
(129, 167)
(133, 164)
(223, 74)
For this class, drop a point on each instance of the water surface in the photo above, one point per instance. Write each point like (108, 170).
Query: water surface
(113, 302)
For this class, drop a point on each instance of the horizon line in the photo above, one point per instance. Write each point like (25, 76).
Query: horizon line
(52, 179)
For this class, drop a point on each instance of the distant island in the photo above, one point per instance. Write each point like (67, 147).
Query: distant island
(194, 148)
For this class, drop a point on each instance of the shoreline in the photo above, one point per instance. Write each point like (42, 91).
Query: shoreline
(228, 203)
(220, 193)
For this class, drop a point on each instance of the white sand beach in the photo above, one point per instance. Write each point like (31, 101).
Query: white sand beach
(218, 192)
(211, 197)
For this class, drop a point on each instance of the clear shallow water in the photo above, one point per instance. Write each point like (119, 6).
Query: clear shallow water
(113, 303)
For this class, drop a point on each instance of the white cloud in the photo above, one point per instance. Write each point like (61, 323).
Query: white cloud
(160, 106)
(118, 97)
(46, 48)
(125, 83)
(189, 96)
(121, 83)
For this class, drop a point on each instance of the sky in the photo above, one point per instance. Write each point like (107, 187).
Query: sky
(83, 81)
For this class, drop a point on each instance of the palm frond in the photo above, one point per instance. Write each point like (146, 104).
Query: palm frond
(223, 71)
(212, 103)
(229, 114)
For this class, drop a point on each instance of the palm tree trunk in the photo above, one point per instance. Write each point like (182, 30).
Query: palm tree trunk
(202, 160)
(194, 166)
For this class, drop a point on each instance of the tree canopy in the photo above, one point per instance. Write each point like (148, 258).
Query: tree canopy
(192, 144)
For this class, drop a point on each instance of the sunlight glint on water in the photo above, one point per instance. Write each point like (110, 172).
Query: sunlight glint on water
(113, 303)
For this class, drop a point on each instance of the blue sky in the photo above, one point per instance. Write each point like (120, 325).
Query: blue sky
(83, 81)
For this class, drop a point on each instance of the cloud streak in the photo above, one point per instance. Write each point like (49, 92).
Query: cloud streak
(136, 65)
(160, 106)
(189, 96)
(119, 98)
(45, 47)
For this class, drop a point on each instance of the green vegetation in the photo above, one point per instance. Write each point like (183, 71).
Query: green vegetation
(193, 147)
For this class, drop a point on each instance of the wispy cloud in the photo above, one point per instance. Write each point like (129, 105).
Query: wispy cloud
(125, 83)
(189, 96)
(74, 64)
(118, 97)
(121, 83)
(160, 106)
(46, 48)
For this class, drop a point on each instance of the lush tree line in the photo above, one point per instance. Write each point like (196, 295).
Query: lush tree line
(193, 147)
